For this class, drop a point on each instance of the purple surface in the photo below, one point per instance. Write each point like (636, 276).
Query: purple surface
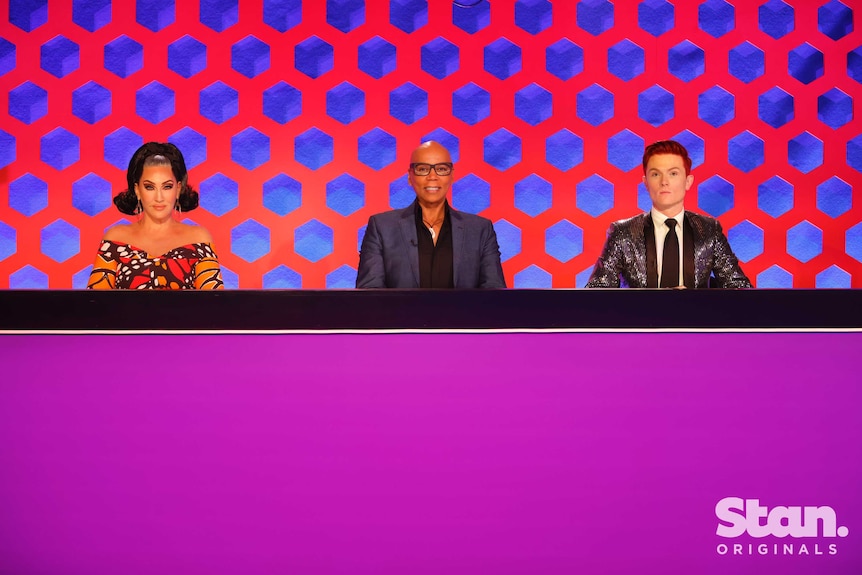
(542, 453)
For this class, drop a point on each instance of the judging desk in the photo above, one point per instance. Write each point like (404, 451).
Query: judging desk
(411, 310)
(505, 431)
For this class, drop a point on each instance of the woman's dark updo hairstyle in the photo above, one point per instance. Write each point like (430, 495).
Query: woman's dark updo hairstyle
(156, 154)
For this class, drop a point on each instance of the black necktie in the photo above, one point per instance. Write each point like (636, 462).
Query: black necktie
(670, 257)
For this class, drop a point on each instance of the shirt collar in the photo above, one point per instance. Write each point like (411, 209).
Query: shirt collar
(417, 210)
(658, 219)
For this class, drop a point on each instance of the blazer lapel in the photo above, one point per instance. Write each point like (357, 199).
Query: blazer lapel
(410, 241)
(651, 260)
(458, 238)
(688, 241)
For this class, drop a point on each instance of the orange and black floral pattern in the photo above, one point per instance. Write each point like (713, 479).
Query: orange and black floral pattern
(123, 266)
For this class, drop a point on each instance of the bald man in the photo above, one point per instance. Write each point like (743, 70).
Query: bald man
(428, 244)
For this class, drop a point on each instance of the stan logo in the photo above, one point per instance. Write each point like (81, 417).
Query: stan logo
(737, 516)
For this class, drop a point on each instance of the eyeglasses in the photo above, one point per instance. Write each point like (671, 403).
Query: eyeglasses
(443, 169)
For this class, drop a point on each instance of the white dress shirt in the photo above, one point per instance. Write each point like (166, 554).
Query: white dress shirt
(661, 231)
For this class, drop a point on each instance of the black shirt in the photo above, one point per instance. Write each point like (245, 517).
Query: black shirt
(435, 261)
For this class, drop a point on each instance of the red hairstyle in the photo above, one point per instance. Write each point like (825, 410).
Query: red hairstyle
(667, 147)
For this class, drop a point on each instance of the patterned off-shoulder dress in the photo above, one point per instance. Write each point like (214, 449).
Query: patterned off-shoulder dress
(123, 266)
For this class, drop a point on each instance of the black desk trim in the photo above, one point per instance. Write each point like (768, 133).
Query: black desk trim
(431, 310)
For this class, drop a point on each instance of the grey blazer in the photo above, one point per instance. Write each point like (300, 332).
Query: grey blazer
(389, 257)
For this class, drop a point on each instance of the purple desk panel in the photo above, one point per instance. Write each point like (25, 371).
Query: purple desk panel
(431, 453)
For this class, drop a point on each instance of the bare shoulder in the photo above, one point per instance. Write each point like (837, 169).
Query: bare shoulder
(121, 233)
(196, 235)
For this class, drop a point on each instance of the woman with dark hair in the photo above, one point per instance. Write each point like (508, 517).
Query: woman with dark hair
(157, 251)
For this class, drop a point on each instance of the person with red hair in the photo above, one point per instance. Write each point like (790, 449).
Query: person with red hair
(668, 246)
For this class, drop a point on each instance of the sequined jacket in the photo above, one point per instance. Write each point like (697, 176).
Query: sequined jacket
(629, 256)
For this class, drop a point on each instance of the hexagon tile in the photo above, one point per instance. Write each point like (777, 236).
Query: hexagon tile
(545, 105)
